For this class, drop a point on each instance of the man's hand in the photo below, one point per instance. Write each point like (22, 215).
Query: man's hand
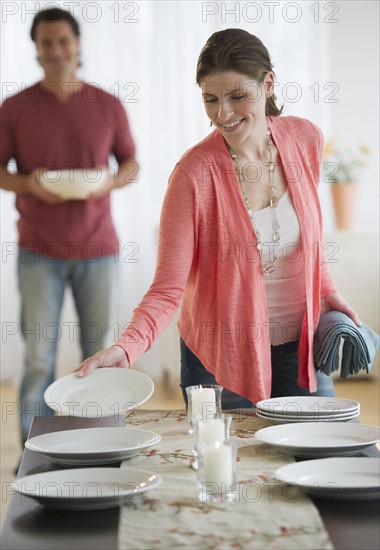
(107, 187)
(35, 188)
(128, 172)
(115, 356)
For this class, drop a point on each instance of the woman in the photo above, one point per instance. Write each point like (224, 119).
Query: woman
(240, 242)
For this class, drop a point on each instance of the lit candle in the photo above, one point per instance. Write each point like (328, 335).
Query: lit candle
(212, 430)
(201, 399)
(217, 464)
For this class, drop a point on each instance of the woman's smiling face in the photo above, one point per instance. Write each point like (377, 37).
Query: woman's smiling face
(236, 104)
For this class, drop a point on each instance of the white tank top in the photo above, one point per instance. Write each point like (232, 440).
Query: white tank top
(285, 287)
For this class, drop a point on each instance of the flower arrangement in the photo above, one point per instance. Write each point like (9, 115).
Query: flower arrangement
(343, 166)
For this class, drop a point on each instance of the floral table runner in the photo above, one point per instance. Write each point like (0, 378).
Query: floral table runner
(266, 513)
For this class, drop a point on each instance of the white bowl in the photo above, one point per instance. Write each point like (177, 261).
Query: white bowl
(74, 184)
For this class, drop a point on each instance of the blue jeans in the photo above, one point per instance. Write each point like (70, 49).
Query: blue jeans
(284, 377)
(42, 283)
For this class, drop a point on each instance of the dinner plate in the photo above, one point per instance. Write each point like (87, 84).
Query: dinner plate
(104, 392)
(307, 405)
(335, 478)
(279, 419)
(86, 488)
(314, 439)
(91, 446)
(310, 418)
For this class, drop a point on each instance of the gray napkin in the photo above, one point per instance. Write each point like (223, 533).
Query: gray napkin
(359, 345)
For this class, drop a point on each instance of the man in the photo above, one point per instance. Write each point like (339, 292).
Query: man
(62, 123)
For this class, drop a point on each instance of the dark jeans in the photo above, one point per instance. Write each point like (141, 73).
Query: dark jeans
(284, 377)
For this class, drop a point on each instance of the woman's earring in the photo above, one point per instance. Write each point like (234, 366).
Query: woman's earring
(211, 123)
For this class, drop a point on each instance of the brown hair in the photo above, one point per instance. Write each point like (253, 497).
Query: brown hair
(52, 15)
(237, 50)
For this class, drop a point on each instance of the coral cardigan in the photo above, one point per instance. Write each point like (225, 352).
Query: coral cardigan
(207, 257)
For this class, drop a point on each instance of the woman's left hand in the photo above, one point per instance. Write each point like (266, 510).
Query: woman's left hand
(336, 302)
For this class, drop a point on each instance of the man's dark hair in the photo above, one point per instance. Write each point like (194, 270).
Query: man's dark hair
(52, 15)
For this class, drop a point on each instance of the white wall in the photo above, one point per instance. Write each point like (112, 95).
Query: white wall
(353, 64)
(158, 53)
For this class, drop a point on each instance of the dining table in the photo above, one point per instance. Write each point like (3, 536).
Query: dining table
(265, 512)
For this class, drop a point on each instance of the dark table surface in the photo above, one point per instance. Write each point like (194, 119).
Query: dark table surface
(28, 525)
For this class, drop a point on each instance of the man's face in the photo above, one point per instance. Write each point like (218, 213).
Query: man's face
(57, 48)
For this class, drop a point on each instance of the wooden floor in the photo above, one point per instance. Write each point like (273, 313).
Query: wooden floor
(364, 390)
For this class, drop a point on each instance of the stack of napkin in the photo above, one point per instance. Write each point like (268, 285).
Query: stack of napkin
(359, 345)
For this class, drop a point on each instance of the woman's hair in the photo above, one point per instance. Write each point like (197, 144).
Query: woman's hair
(237, 50)
(52, 15)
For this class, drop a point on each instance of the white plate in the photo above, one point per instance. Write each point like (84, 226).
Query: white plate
(295, 419)
(335, 478)
(104, 392)
(74, 184)
(313, 439)
(303, 405)
(91, 446)
(86, 488)
(309, 418)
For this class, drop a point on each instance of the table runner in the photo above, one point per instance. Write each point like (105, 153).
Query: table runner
(267, 513)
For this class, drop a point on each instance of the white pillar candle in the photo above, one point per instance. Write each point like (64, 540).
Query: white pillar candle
(217, 464)
(201, 399)
(212, 430)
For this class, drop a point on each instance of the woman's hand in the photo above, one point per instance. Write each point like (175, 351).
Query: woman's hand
(336, 302)
(115, 356)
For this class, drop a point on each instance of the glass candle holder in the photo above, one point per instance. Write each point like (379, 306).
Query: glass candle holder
(216, 474)
(204, 400)
(209, 430)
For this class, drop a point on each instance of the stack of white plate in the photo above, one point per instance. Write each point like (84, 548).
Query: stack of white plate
(307, 409)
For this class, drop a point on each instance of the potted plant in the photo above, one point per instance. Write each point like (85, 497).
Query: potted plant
(341, 169)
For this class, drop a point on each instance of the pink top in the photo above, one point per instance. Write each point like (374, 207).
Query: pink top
(207, 257)
(38, 130)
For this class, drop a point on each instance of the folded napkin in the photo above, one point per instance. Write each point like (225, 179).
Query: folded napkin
(359, 345)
